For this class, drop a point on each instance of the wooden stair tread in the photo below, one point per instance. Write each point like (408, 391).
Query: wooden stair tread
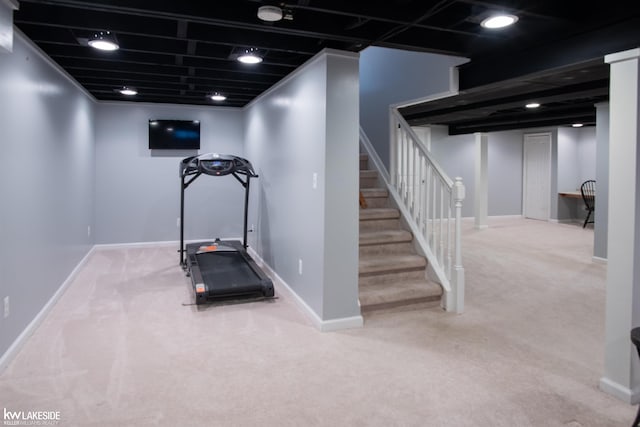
(375, 192)
(368, 173)
(379, 213)
(380, 237)
(380, 264)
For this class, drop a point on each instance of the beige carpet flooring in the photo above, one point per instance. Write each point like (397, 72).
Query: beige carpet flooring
(120, 349)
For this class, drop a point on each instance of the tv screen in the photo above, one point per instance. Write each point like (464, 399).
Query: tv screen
(174, 134)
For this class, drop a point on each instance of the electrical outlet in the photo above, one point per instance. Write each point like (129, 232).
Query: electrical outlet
(300, 267)
(6, 307)
(315, 180)
(178, 222)
(88, 231)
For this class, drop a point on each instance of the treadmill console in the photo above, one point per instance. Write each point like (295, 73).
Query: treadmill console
(217, 166)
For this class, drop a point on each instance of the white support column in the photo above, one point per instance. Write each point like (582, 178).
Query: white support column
(481, 196)
(621, 367)
(6, 24)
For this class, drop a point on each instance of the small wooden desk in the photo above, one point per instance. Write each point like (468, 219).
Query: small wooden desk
(571, 194)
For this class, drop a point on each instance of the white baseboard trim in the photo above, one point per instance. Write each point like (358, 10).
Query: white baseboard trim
(15, 347)
(342, 323)
(112, 246)
(599, 260)
(619, 391)
(321, 325)
(162, 243)
(562, 221)
(473, 218)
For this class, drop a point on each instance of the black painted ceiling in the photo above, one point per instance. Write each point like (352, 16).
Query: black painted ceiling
(182, 51)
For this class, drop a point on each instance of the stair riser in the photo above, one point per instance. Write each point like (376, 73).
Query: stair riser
(391, 279)
(382, 237)
(366, 182)
(379, 224)
(387, 248)
(374, 297)
(380, 213)
(402, 305)
(389, 269)
(364, 163)
(376, 202)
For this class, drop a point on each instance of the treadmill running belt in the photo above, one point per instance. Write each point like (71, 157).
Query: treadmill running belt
(227, 273)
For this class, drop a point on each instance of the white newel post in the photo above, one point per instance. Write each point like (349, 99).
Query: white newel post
(456, 300)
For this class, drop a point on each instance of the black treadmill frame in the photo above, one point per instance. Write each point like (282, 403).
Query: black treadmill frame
(190, 169)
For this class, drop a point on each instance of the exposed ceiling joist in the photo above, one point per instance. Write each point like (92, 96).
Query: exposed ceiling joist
(180, 52)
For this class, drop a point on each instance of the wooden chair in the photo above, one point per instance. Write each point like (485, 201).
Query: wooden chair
(635, 339)
(588, 190)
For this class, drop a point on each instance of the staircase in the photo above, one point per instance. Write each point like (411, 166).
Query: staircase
(391, 274)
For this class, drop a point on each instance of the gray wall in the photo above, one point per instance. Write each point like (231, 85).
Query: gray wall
(576, 164)
(390, 76)
(573, 161)
(505, 172)
(600, 226)
(568, 172)
(568, 159)
(46, 183)
(138, 190)
(456, 154)
(587, 141)
(306, 125)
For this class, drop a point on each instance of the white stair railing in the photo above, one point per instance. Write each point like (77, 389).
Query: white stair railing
(431, 203)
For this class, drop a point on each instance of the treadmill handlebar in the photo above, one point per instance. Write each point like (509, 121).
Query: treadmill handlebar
(215, 164)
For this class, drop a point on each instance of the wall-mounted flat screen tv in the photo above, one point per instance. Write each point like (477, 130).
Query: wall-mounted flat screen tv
(174, 134)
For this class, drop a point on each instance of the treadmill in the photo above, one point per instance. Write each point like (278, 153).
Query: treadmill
(221, 270)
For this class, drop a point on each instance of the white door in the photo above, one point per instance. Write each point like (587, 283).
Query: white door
(536, 192)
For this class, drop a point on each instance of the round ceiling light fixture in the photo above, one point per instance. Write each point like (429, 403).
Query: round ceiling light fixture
(532, 105)
(128, 91)
(218, 97)
(577, 125)
(270, 13)
(103, 40)
(499, 21)
(250, 56)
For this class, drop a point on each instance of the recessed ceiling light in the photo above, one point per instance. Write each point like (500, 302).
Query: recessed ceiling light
(532, 105)
(270, 13)
(103, 40)
(499, 21)
(129, 91)
(218, 97)
(577, 125)
(250, 56)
